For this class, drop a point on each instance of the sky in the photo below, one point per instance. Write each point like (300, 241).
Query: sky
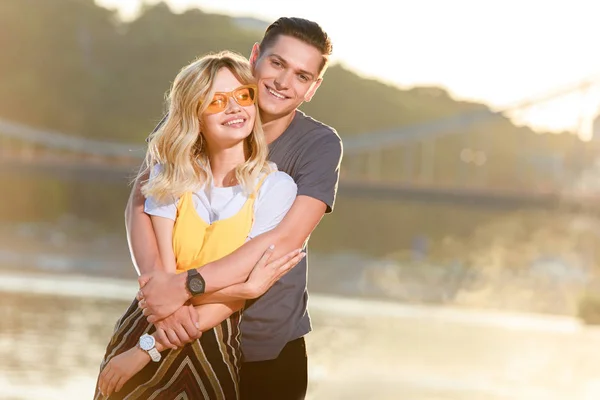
(496, 52)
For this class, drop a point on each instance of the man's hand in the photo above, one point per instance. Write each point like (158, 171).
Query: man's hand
(162, 294)
(178, 329)
(265, 273)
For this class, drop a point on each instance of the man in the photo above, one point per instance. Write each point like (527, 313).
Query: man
(288, 64)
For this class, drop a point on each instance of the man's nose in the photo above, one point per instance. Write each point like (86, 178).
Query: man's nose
(283, 80)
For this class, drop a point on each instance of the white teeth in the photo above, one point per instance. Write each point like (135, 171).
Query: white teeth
(235, 121)
(274, 93)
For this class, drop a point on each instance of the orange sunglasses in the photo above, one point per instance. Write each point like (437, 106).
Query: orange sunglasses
(244, 96)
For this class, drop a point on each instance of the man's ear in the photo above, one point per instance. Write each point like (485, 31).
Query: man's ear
(254, 55)
(311, 92)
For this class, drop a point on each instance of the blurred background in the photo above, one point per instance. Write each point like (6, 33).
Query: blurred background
(461, 262)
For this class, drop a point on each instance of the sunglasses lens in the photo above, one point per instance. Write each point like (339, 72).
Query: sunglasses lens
(245, 96)
(219, 103)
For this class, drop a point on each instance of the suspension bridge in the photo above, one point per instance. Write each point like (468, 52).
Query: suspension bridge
(408, 163)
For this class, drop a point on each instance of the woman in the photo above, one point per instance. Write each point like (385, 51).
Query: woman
(210, 190)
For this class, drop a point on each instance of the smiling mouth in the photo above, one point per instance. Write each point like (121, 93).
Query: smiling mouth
(236, 123)
(275, 94)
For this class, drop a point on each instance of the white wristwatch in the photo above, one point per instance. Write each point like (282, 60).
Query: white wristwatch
(147, 343)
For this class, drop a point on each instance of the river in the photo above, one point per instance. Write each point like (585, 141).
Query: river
(54, 330)
(410, 301)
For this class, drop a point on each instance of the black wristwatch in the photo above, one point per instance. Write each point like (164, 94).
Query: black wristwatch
(195, 282)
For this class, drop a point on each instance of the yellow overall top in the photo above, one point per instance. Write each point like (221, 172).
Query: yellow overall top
(196, 242)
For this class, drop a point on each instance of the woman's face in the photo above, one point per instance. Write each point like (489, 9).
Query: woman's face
(230, 116)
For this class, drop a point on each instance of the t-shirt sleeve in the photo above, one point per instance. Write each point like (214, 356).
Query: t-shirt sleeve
(319, 172)
(152, 207)
(275, 198)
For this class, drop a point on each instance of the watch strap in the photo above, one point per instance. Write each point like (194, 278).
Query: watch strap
(154, 354)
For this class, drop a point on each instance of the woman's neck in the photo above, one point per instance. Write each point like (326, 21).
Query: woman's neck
(223, 163)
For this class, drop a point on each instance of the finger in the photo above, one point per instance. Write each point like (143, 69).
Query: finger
(283, 260)
(162, 338)
(120, 384)
(152, 319)
(182, 334)
(292, 263)
(264, 259)
(146, 312)
(173, 337)
(195, 321)
(105, 383)
(142, 304)
(102, 379)
(139, 296)
(101, 384)
(143, 280)
(285, 268)
(111, 384)
(189, 325)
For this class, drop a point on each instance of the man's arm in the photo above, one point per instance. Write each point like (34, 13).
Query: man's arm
(169, 291)
(182, 326)
(172, 333)
(140, 234)
(290, 234)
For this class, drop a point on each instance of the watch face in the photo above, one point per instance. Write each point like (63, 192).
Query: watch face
(196, 285)
(146, 342)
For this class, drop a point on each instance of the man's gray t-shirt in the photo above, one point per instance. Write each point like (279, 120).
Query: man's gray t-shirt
(310, 152)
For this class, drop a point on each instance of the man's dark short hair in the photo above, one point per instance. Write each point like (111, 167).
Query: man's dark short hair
(307, 31)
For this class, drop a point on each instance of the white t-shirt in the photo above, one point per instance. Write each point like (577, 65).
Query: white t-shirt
(274, 199)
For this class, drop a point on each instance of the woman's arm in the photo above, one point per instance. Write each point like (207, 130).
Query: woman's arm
(211, 315)
(163, 230)
(138, 227)
(124, 366)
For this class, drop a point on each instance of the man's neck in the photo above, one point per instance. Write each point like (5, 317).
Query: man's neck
(275, 127)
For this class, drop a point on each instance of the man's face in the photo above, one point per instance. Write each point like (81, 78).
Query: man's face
(287, 74)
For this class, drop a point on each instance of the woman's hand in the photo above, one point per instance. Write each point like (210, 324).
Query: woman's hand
(120, 369)
(266, 272)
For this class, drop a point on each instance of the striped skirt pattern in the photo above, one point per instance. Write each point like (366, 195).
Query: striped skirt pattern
(207, 368)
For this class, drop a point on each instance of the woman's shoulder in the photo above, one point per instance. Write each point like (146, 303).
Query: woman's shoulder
(275, 177)
(277, 181)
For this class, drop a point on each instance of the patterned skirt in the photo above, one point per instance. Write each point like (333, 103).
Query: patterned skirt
(207, 368)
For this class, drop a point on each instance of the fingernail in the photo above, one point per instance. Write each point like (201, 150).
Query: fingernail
(303, 255)
(197, 325)
(271, 247)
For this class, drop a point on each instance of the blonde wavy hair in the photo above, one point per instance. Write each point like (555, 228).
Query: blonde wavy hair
(179, 147)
